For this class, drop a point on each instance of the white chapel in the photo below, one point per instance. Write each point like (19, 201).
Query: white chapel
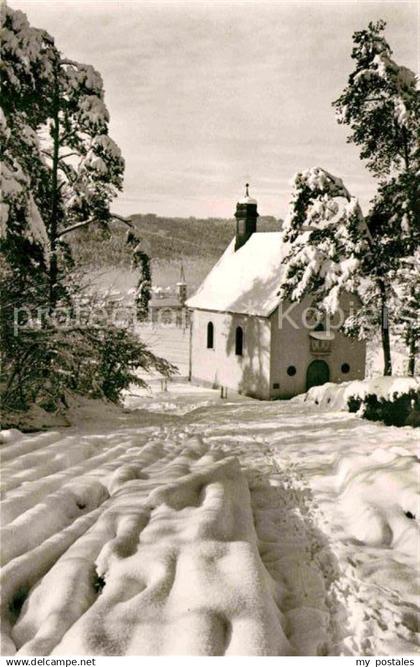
(244, 338)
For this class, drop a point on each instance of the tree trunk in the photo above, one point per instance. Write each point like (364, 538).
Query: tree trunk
(386, 344)
(53, 226)
(412, 349)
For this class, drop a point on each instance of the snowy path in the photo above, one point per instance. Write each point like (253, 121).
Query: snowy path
(191, 525)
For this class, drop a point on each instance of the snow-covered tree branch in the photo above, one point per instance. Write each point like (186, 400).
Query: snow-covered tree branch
(380, 104)
(89, 221)
(326, 237)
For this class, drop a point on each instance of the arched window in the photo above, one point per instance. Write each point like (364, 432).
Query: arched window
(210, 335)
(239, 341)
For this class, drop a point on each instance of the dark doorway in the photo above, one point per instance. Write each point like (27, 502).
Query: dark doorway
(317, 373)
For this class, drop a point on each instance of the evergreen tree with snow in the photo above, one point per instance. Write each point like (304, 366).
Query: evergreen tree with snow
(27, 56)
(332, 249)
(326, 240)
(60, 172)
(381, 106)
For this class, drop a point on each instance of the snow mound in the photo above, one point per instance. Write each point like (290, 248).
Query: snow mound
(336, 396)
(380, 499)
(9, 435)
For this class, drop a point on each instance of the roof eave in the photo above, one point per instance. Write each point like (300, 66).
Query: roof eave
(235, 312)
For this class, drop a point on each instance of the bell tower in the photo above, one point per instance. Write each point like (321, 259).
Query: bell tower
(246, 219)
(181, 287)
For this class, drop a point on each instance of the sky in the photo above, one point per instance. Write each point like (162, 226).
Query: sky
(204, 96)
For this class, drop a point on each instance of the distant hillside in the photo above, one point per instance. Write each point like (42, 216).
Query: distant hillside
(166, 239)
(186, 237)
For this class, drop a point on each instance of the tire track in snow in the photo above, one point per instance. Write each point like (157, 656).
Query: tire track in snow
(22, 573)
(294, 551)
(24, 497)
(22, 444)
(17, 578)
(56, 512)
(59, 455)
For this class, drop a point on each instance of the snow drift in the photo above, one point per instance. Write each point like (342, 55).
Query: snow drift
(336, 396)
(392, 400)
(380, 499)
(169, 567)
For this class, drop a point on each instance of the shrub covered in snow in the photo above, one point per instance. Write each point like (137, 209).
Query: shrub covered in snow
(80, 348)
(393, 400)
(399, 410)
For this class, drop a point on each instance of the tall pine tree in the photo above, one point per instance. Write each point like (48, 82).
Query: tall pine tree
(60, 171)
(380, 104)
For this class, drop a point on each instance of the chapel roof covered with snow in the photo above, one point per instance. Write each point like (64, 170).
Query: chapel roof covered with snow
(246, 281)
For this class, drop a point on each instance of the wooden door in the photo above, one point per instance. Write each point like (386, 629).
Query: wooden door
(317, 373)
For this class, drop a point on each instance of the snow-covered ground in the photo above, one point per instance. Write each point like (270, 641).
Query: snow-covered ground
(193, 525)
